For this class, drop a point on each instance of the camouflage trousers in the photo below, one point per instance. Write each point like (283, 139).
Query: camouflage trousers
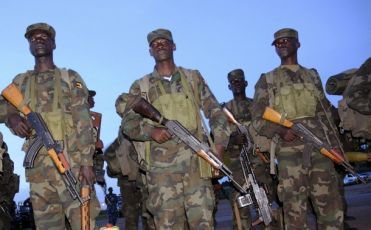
(318, 183)
(132, 198)
(52, 202)
(181, 200)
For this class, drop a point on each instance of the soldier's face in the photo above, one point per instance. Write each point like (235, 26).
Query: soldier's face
(41, 44)
(162, 49)
(286, 47)
(237, 86)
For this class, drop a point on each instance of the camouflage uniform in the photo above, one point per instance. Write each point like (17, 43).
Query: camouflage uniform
(176, 189)
(9, 183)
(358, 94)
(240, 107)
(304, 173)
(60, 97)
(299, 180)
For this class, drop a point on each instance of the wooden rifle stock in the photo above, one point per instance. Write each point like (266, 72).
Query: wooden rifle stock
(84, 209)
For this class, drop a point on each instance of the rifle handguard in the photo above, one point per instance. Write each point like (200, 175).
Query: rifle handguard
(275, 117)
(15, 97)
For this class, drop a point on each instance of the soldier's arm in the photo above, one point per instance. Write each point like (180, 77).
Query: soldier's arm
(260, 101)
(132, 124)
(82, 119)
(213, 111)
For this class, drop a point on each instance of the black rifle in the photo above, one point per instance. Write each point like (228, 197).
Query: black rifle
(258, 192)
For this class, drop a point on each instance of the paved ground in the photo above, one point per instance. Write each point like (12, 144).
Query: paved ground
(357, 196)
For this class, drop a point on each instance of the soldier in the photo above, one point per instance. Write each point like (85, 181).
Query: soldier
(60, 97)
(304, 172)
(9, 183)
(98, 158)
(123, 164)
(179, 185)
(240, 107)
(111, 202)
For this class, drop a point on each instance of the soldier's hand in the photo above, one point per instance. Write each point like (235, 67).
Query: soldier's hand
(160, 135)
(287, 134)
(99, 177)
(219, 151)
(87, 175)
(237, 138)
(19, 125)
(99, 144)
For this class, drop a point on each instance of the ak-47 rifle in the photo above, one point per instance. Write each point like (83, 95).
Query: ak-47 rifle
(260, 197)
(55, 151)
(145, 109)
(308, 137)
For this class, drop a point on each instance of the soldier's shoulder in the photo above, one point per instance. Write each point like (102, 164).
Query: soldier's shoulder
(19, 78)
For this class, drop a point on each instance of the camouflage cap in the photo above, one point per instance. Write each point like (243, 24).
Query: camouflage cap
(159, 33)
(285, 33)
(40, 26)
(236, 74)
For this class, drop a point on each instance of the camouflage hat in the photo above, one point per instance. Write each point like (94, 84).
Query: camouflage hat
(159, 33)
(285, 33)
(236, 74)
(92, 93)
(40, 26)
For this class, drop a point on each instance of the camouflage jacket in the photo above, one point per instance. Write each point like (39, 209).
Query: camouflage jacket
(358, 93)
(241, 111)
(74, 93)
(319, 124)
(173, 156)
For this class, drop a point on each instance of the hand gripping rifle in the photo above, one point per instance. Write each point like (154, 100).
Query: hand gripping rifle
(260, 197)
(145, 109)
(308, 137)
(55, 152)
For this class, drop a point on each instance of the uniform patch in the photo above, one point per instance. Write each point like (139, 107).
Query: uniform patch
(78, 85)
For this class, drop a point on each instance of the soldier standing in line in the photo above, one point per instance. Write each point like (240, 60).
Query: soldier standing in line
(240, 107)
(60, 97)
(131, 175)
(179, 185)
(9, 184)
(111, 202)
(304, 172)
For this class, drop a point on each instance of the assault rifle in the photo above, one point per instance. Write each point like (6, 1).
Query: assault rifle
(145, 109)
(55, 151)
(258, 192)
(308, 137)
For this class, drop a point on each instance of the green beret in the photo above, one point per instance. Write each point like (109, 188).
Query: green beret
(159, 33)
(236, 74)
(40, 26)
(285, 33)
